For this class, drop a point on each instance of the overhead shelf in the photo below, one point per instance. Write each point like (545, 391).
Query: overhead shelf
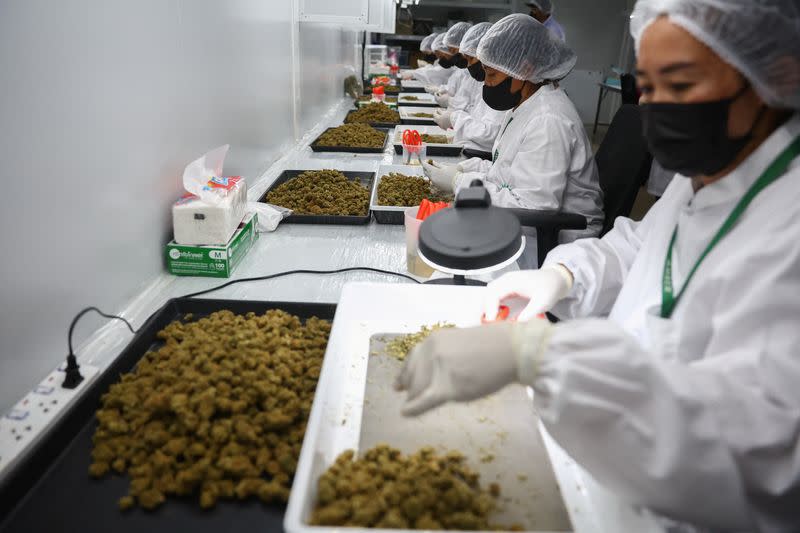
(466, 4)
(397, 37)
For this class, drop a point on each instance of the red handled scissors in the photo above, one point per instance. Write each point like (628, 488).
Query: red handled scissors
(412, 138)
(503, 314)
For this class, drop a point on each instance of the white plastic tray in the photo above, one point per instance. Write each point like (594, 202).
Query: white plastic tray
(421, 98)
(383, 170)
(412, 84)
(356, 408)
(407, 113)
(397, 139)
(340, 419)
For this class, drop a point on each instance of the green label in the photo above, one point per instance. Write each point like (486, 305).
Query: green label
(212, 261)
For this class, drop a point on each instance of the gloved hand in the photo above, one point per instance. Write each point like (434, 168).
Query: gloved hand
(442, 176)
(544, 288)
(442, 118)
(432, 89)
(407, 76)
(466, 364)
(443, 99)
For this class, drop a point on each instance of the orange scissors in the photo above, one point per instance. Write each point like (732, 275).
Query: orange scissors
(503, 314)
(412, 138)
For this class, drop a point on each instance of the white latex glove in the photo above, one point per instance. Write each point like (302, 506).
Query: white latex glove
(407, 76)
(544, 288)
(462, 365)
(432, 89)
(443, 99)
(442, 118)
(442, 176)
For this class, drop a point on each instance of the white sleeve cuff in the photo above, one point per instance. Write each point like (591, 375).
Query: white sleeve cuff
(530, 342)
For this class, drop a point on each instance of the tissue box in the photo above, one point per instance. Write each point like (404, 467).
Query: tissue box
(213, 261)
(200, 223)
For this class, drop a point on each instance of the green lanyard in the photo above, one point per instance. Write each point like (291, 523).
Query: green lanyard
(497, 152)
(777, 169)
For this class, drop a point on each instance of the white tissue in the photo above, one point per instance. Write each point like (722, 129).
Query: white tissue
(213, 207)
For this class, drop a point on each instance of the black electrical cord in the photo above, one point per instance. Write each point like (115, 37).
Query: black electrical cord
(73, 374)
(303, 271)
(364, 56)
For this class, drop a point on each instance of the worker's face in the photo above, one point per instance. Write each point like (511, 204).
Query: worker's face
(471, 60)
(674, 67)
(495, 77)
(538, 14)
(453, 50)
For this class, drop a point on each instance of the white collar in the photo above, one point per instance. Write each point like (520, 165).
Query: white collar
(733, 186)
(528, 104)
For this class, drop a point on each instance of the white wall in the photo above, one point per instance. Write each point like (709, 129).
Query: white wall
(102, 103)
(595, 31)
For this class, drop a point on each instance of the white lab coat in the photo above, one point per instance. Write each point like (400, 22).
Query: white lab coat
(542, 160)
(697, 417)
(469, 91)
(455, 81)
(477, 128)
(433, 74)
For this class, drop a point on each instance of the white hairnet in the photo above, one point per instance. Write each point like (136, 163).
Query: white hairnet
(525, 49)
(545, 5)
(454, 35)
(469, 44)
(438, 44)
(760, 38)
(425, 45)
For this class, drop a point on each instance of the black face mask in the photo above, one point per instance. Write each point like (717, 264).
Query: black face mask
(445, 63)
(477, 72)
(500, 97)
(692, 139)
(460, 61)
(430, 58)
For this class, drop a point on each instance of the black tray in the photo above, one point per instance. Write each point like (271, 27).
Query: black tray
(350, 149)
(393, 218)
(451, 150)
(374, 124)
(417, 121)
(412, 89)
(50, 488)
(470, 152)
(365, 178)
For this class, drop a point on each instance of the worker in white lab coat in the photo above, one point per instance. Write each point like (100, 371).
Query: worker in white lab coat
(478, 125)
(435, 75)
(469, 90)
(449, 48)
(542, 158)
(542, 11)
(428, 58)
(681, 394)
